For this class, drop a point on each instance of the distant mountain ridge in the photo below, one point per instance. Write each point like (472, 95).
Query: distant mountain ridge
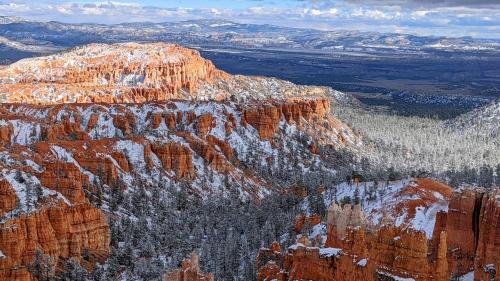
(222, 32)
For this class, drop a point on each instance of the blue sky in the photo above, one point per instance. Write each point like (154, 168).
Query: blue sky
(476, 18)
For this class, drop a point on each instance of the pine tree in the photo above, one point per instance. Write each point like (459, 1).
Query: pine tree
(245, 267)
(112, 268)
(73, 271)
(42, 267)
(497, 179)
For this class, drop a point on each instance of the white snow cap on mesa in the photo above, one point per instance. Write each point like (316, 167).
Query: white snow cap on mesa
(55, 67)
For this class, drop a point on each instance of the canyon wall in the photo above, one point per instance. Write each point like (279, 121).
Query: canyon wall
(59, 230)
(134, 73)
(127, 72)
(473, 227)
(465, 239)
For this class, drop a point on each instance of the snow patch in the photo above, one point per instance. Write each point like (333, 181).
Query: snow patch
(396, 278)
(362, 262)
(330, 252)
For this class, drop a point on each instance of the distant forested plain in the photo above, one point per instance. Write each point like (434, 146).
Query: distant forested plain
(443, 85)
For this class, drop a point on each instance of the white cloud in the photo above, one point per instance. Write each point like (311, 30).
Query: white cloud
(437, 20)
(15, 7)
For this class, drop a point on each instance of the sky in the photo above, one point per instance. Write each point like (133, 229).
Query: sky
(453, 18)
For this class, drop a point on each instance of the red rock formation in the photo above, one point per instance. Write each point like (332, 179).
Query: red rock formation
(116, 73)
(65, 178)
(121, 159)
(223, 146)
(208, 152)
(5, 133)
(190, 271)
(266, 119)
(302, 220)
(175, 157)
(473, 226)
(303, 263)
(465, 239)
(356, 250)
(124, 123)
(59, 230)
(8, 198)
(488, 242)
(104, 141)
(204, 124)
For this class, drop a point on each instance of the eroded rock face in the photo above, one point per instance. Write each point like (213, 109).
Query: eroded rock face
(473, 226)
(340, 219)
(306, 263)
(127, 72)
(73, 144)
(464, 239)
(135, 73)
(266, 119)
(70, 150)
(8, 198)
(357, 249)
(175, 157)
(61, 231)
(190, 271)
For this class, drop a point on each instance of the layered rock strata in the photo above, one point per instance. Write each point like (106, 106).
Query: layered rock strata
(59, 230)
(473, 227)
(134, 73)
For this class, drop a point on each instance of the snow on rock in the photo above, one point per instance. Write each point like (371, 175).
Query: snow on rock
(318, 230)
(394, 277)
(409, 202)
(63, 155)
(362, 262)
(24, 132)
(330, 252)
(77, 132)
(25, 186)
(467, 277)
(134, 152)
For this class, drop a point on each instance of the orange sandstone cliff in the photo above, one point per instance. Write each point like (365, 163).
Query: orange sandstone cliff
(464, 240)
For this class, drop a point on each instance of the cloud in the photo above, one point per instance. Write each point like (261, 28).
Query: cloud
(433, 17)
(416, 3)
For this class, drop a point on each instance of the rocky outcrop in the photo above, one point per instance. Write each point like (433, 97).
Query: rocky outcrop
(306, 263)
(340, 219)
(464, 239)
(65, 178)
(488, 239)
(266, 119)
(473, 226)
(204, 124)
(125, 73)
(209, 153)
(59, 230)
(8, 198)
(106, 117)
(175, 157)
(189, 271)
(5, 133)
(357, 250)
